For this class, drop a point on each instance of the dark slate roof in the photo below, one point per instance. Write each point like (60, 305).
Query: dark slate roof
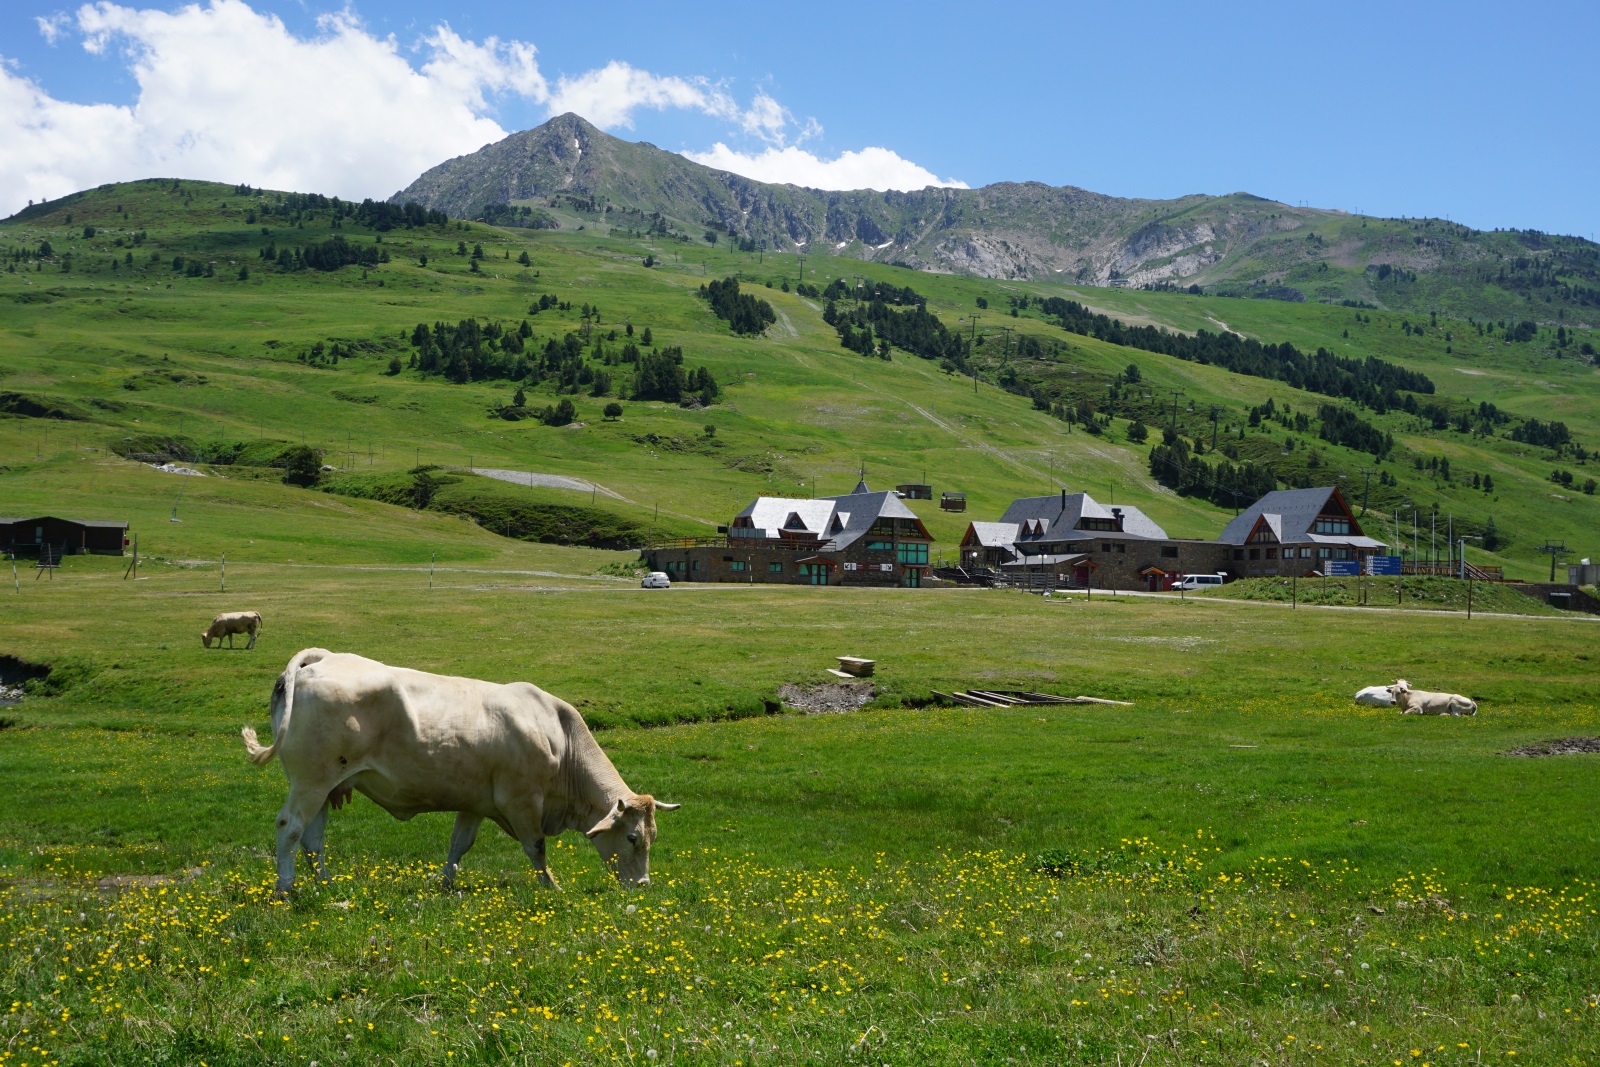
(97, 523)
(1290, 513)
(859, 511)
(1059, 514)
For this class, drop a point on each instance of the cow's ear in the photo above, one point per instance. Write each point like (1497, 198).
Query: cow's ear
(667, 807)
(609, 821)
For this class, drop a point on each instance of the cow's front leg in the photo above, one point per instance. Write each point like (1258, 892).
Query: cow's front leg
(462, 835)
(535, 852)
(311, 842)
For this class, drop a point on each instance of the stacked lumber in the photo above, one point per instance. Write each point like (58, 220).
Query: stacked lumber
(1006, 698)
(854, 667)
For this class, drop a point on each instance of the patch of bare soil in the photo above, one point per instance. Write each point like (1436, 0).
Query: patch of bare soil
(1566, 746)
(828, 698)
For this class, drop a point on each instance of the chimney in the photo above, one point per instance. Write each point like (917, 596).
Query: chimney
(1116, 514)
(1063, 498)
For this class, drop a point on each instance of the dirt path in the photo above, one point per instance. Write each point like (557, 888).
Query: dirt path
(1225, 327)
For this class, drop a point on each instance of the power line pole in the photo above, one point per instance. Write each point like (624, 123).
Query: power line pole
(1365, 489)
(1554, 550)
(1215, 411)
(1176, 393)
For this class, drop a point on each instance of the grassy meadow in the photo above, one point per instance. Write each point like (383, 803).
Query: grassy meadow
(1242, 866)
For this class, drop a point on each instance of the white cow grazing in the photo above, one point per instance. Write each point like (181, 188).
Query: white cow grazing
(1376, 696)
(229, 623)
(417, 742)
(1417, 702)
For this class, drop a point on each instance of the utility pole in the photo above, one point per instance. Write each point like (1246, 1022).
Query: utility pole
(1365, 489)
(1215, 410)
(1557, 549)
(1176, 393)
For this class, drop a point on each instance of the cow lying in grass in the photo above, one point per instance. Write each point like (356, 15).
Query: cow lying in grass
(229, 623)
(1376, 696)
(1417, 702)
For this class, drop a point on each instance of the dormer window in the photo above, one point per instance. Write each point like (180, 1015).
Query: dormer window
(794, 522)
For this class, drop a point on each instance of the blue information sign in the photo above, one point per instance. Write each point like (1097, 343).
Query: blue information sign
(1383, 565)
(1341, 568)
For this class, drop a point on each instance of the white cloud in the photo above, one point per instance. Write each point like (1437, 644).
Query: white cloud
(870, 168)
(51, 28)
(227, 93)
(610, 95)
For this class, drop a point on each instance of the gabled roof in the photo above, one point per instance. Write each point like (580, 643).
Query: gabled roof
(1291, 513)
(858, 511)
(1060, 514)
(773, 516)
(835, 521)
(991, 534)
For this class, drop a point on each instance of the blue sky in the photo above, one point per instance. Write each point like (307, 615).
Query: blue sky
(1486, 114)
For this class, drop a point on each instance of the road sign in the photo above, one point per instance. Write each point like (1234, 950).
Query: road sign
(1383, 565)
(1341, 568)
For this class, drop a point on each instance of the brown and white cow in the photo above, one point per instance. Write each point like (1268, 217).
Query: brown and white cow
(1419, 702)
(229, 623)
(416, 742)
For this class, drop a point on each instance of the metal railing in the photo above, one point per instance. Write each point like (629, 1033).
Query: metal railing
(1453, 570)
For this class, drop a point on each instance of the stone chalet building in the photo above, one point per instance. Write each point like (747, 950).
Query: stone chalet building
(1294, 531)
(862, 538)
(1079, 539)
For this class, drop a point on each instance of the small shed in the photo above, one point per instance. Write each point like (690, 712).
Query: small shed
(915, 491)
(62, 537)
(952, 502)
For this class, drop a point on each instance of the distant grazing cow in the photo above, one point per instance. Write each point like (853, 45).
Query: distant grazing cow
(1376, 696)
(1416, 702)
(417, 742)
(229, 623)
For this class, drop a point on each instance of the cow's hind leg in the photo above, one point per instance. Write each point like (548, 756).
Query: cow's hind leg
(298, 812)
(252, 642)
(311, 842)
(462, 835)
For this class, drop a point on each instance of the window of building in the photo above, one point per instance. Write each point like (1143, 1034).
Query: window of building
(1097, 524)
(914, 552)
(1322, 553)
(1327, 525)
(739, 565)
(694, 565)
(1272, 553)
(1105, 546)
(1238, 553)
(880, 546)
(1169, 551)
(775, 568)
(1255, 553)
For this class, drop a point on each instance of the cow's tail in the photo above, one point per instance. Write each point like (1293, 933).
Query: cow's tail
(260, 754)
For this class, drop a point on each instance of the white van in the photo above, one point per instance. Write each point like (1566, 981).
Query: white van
(1192, 582)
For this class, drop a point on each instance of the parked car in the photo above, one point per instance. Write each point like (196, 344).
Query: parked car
(1199, 581)
(656, 580)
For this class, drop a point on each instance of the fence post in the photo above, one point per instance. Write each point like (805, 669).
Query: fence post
(14, 579)
(431, 559)
(224, 572)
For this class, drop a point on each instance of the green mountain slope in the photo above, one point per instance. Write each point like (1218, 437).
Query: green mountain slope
(1239, 244)
(168, 324)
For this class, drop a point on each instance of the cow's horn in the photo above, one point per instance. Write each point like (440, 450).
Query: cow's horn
(660, 806)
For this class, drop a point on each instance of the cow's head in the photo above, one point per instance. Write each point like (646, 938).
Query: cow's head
(624, 836)
(205, 638)
(1399, 690)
